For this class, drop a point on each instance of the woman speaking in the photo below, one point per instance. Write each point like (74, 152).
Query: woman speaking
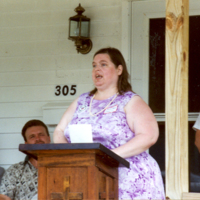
(121, 121)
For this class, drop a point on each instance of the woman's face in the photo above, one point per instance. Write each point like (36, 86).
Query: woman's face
(105, 74)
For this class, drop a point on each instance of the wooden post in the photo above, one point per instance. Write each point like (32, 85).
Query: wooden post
(176, 105)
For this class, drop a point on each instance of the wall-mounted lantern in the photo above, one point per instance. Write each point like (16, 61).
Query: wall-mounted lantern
(79, 31)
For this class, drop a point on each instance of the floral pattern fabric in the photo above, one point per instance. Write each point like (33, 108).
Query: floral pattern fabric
(143, 179)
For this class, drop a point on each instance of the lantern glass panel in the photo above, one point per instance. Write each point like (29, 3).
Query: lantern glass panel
(74, 28)
(85, 28)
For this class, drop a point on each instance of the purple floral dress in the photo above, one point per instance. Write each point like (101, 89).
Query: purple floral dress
(143, 179)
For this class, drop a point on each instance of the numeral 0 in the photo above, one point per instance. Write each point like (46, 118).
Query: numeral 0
(64, 90)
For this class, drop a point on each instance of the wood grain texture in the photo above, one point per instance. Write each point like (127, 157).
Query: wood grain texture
(105, 168)
(106, 187)
(75, 172)
(93, 182)
(67, 183)
(176, 107)
(67, 160)
(42, 183)
(190, 196)
(75, 150)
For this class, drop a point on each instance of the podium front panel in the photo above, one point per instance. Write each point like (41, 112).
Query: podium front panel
(76, 171)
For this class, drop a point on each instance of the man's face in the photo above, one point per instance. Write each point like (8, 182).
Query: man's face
(36, 135)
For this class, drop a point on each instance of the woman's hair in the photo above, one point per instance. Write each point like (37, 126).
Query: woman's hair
(31, 123)
(117, 59)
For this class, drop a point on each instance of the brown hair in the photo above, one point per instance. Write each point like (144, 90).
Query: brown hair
(117, 59)
(31, 123)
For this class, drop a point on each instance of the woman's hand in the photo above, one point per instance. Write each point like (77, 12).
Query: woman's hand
(142, 122)
(58, 135)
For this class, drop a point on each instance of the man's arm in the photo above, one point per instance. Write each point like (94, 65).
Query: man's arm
(7, 187)
(197, 139)
(4, 197)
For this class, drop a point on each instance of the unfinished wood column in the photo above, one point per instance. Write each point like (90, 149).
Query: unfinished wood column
(176, 105)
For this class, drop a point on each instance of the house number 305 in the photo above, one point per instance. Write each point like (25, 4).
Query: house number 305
(65, 90)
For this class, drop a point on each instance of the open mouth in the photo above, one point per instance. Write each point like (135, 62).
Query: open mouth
(98, 76)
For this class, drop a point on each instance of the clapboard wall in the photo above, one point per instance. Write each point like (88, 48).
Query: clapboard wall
(36, 55)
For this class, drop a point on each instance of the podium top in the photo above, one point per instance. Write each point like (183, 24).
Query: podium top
(70, 148)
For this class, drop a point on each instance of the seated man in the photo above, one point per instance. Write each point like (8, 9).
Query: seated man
(20, 181)
(2, 170)
(196, 127)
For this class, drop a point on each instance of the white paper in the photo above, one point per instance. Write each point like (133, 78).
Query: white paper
(80, 133)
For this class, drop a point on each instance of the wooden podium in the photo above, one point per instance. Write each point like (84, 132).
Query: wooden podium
(75, 171)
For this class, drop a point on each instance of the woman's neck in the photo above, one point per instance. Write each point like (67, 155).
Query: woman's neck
(105, 94)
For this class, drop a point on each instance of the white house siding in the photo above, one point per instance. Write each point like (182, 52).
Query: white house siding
(36, 55)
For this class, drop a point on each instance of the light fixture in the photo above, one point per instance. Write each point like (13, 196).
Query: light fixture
(79, 31)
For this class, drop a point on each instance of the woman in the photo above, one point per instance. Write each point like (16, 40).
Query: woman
(196, 127)
(121, 121)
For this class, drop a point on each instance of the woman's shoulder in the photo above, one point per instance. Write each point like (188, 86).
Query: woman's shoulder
(126, 97)
(84, 95)
(84, 98)
(129, 94)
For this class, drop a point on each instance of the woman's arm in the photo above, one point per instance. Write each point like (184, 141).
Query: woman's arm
(197, 139)
(143, 123)
(58, 135)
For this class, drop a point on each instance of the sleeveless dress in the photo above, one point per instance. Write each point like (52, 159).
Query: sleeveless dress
(143, 179)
